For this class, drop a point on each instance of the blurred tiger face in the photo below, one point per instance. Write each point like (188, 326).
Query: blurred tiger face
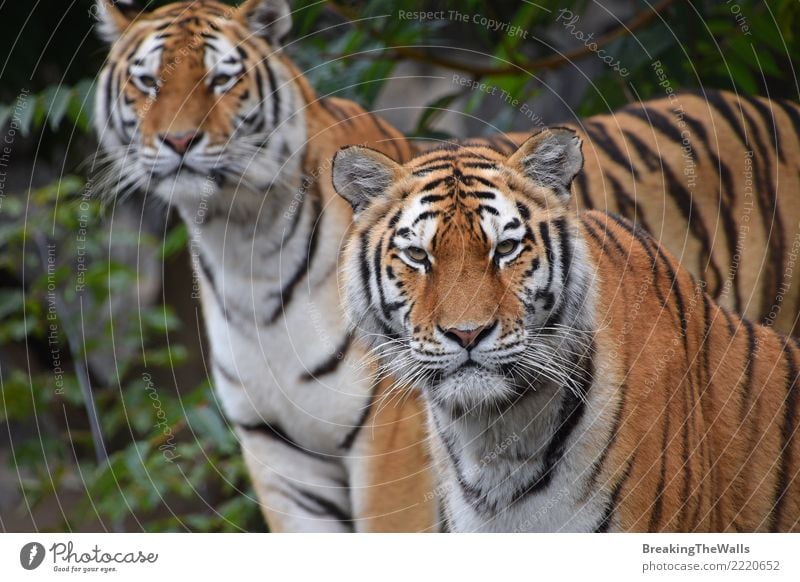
(191, 96)
(460, 258)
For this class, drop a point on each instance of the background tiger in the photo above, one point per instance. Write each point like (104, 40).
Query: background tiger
(576, 377)
(197, 105)
(730, 168)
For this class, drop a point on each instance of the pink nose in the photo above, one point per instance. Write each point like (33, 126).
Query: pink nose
(182, 142)
(467, 338)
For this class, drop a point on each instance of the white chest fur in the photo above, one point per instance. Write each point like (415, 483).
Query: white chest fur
(273, 318)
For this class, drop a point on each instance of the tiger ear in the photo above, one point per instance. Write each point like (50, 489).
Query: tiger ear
(361, 174)
(269, 19)
(550, 158)
(113, 17)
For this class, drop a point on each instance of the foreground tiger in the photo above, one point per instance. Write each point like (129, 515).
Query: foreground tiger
(575, 376)
(197, 105)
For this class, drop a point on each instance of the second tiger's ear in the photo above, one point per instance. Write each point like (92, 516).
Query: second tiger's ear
(114, 17)
(269, 19)
(361, 174)
(550, 158)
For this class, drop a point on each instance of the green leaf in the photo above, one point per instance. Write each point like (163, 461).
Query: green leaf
(55, 103)
(24, 108)
(174, 242)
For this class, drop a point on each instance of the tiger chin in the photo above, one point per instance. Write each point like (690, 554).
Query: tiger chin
(575, 376)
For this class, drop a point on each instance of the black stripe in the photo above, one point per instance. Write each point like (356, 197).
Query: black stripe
(363, 262)
(769, 121)
(650, 158)
(350, 437)
(662, 123)
(544, 232)
(615, 428)
(276, 100)
(425, 215)
(431, 198)
(611, 506)
(209, 276)
(788, 436)
(572, 410)
(429, 169)
(386, 308)
(598, 135)
(608, 235)
(718, 102)
(581, 181)
(771, 219)
(331, 363)
(302, 269)
(275, 432)
(565, 260)
(482, 180)
(321, 506)
(726, 195)
(655, 515)
(334, 110)
(792, 112)
(227, 374)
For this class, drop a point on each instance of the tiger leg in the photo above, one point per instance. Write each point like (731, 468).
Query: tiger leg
(298, 491)
(391, 480)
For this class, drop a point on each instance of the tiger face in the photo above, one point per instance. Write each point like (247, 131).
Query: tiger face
(194, 96)
(458, 267)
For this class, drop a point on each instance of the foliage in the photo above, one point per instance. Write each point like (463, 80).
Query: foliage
(134, 478)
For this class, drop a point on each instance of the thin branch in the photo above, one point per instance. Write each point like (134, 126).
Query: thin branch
(547, 63)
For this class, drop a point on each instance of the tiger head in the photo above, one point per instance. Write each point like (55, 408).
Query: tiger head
(195, 96)
(463, 265)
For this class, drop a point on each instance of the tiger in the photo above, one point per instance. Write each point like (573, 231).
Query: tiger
(730, 167)
(198, 105)
(576, 377)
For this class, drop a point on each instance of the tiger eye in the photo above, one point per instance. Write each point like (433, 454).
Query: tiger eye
(220, 80)
(416, 254)
(505, 247)
(148, 81)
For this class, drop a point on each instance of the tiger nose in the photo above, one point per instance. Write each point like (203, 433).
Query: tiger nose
(181, 142)
(469, 338)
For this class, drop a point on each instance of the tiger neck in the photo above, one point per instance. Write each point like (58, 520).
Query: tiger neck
(493, 457)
